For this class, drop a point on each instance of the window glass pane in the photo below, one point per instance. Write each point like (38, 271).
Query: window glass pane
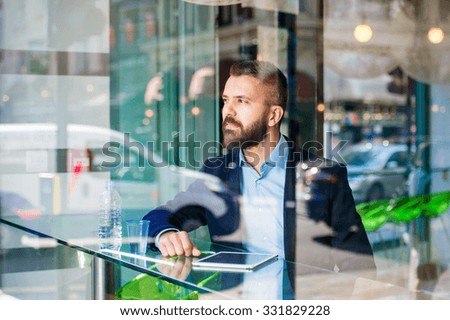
(384, 112)
(133, 91)
(49, 25)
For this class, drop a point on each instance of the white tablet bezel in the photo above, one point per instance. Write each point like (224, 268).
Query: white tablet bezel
(204, 264)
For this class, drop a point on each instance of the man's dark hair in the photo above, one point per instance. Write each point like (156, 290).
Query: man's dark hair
(269, 75)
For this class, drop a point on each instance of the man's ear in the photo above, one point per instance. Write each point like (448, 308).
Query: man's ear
(275, 115)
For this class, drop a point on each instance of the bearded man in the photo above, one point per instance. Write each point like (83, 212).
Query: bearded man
(259, 171)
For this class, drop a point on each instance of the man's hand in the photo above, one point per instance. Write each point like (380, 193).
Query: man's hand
(173, 243)
(180, 270)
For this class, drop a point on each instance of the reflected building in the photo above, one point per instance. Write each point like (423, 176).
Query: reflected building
(153, 71)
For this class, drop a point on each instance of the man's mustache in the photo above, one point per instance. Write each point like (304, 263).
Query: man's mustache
(229, 120)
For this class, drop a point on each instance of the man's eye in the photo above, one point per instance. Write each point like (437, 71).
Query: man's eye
(243, 101)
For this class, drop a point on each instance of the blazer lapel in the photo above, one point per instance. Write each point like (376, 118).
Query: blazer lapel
(232, 171)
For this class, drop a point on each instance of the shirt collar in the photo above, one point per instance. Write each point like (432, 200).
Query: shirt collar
(277, 157)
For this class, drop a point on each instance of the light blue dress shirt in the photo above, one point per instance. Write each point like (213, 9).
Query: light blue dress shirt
(262, 202)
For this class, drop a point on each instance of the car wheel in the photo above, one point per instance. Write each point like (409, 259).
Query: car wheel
(376, 192)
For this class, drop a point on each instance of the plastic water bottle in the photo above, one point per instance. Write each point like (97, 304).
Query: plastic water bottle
(110, 218)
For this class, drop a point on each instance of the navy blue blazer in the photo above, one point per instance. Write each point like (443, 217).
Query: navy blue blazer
(331, 204)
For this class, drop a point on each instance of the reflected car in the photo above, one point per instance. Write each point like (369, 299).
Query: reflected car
(32, 181)
(377, 171)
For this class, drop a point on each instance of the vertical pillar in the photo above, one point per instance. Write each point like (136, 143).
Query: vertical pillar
(422, 224)
(320, 78)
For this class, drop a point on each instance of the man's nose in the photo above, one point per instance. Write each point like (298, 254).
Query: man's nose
(228, 109)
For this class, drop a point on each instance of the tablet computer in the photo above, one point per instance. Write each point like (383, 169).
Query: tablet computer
(233, 261)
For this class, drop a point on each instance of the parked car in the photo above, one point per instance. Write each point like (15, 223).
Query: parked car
(377, 171)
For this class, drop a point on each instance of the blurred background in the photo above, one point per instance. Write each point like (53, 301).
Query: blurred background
(369, 86)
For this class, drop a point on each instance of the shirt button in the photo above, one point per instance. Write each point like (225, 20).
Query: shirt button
(258, 181)
(265, 238)
(259, 209)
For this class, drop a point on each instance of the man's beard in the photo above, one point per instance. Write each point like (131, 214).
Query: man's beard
(238, 137)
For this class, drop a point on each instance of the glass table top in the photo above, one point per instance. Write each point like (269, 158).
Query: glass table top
(279, 279)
